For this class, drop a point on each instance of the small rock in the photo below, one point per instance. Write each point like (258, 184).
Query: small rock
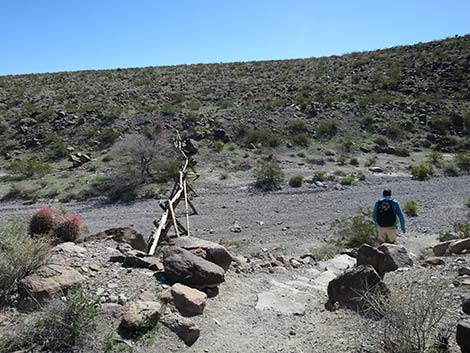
(459, 246)
(464, 271)
(434, 261)
(441, 248)
(140, 312)
(188, 300)
(183, 327)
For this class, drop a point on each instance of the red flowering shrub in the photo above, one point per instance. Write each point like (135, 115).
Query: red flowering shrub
(42, 221)
(68, 228)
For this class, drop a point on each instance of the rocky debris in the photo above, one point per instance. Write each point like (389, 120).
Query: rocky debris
(188, 300)
(184, 267)
(463, 271)
(459, 246)
(208, 250)
(191, 147)
(466, 306)
(376, 170)
(235, 228)
(221, 134)
(183, 327)
(78, 159)
(353, 283)
(111, 310)
(125, 235)
(441, 248)
(139, 314)
(385, 258)
(434, 261)
(47, 282)
(134, 258)
(463, 336)
(283, 298)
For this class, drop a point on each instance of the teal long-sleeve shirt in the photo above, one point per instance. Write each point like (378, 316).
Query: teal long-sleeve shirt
(396, 208)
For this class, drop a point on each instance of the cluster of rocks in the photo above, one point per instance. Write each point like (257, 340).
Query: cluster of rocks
(189, 271)
(366, 278)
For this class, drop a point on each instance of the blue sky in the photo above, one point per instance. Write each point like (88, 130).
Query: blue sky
(64, 35)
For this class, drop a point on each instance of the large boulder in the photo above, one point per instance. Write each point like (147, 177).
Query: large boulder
(441, 248)
(210, 251)
(463, 336)
(385, 258)
(125, 235)
(459, 246)
(183, 327)
(140, 315)
(354, 283)
(48, 281)
(396, 257)
(188, 300)
(183, 266)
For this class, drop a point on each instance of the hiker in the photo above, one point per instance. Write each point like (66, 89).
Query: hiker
(385, 215)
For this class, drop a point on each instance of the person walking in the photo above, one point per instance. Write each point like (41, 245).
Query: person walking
(386, 211)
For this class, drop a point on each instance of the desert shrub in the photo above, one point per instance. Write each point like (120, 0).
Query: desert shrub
(218, 146)
(411, 208)
(394, 131)
(298, 132)
(28, 167)
(435, 158)
(316, 161)
(169, 109)
(68, 227)
(421, 171)
(296, 181)
(263, 135)
(354, 161)
(467, 202)
(193, 105)
(381, 141)
(462, 230)
(411, 319)
(445, 236)
(347, 180)
(440, 125)
(342, 159)
(20, 254)
(269, 176)
(42, 221)
(355, 231)
(319, 175)
(57, 148)
(108, 136)
(327, 128)
(462, 160)
(371, 161)
(61, 326)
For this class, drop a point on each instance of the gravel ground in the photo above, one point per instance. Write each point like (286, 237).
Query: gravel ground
(293, 219)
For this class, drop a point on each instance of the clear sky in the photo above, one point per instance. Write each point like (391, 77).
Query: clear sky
(63, 35)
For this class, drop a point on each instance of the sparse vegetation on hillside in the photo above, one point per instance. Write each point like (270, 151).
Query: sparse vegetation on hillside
(269, 176)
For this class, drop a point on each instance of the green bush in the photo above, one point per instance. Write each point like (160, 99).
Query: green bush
(296, 181)
(269, 176)
(355, 231)
(467, 203)
(263, 135)
(28, 167)
(411, 208)
(325, 251)
(347, 180)
(319, 175)
(421, 171)
(435, 158)
(462, 160)
(327, 128)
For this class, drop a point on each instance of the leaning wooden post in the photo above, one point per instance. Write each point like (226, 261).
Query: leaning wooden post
(186, 207)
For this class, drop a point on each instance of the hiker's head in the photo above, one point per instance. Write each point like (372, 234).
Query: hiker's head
(387, 192)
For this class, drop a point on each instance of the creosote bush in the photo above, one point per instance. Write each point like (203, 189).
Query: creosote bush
(269, 176)
(421, 171)
(28, 167)
(42, 221)
(462, 160)
(296, 181)
(411, 208)
(355, 231)
(20, 254)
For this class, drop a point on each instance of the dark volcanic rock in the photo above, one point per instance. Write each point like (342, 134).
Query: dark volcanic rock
(184, 267)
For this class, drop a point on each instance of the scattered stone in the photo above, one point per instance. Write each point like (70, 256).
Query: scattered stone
(136, 258)
(464, 271)
(125, 235)
(208, 250)
(466, 306)
(47, 282)
(353, 283)
(376, 170)
(441, 248)
(368, 255)
(183, 327)
(78, 159)
(111, 310)
(459, 246)
(434, 261)
(463, 336)
(188, 300)
(235, 228)
(385, 258)
(140, 313)
(184, 267)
